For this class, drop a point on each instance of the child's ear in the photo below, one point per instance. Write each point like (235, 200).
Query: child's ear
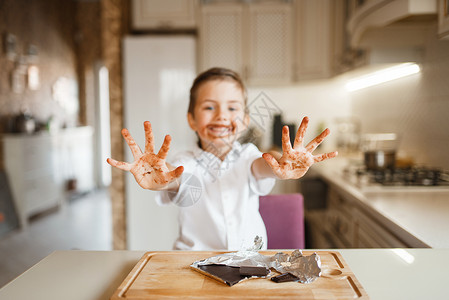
(246, 120)
(191, 121)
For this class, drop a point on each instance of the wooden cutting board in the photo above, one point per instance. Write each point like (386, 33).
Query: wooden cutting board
(163, 275)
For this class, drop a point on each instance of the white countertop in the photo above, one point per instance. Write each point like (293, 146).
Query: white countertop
(418, 214)
(95, 275)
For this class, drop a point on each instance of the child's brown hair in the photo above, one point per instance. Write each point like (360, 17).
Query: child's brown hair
(215, 74)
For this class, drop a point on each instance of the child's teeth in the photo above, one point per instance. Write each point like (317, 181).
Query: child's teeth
(220, 130)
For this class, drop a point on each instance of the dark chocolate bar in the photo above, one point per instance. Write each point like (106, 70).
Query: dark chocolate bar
(230, 275)
(254, 271)
(286, 277)
(233, 275)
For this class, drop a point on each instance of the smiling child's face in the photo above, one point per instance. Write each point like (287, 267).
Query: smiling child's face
(219, 115)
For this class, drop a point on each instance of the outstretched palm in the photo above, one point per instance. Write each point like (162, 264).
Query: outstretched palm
(295, 161)
(149, 169)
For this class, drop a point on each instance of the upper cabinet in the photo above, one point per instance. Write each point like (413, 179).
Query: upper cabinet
(314, 38)
(270, 48)
(266, 41)
(373, 33)
(221, 37)
(255, 39)
(287, 41)
(164, 14)
(390, 22)
(443, 19)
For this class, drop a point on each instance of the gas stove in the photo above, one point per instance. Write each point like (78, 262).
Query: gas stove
(398, 178)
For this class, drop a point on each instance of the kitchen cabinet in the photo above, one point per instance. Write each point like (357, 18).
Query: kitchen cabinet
(443, 19)
(254, 39)
(313, 23)
(356, 227)
(32, 169)
(164, 14)
(369, 233)
(221, 37)
(339, 221)
(371, 32)
(39, 167)
(344, 224)
(344, 57)
(392, 21)
(393, 215)
(391, 24)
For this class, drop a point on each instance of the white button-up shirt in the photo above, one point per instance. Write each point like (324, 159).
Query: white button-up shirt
(219, 200)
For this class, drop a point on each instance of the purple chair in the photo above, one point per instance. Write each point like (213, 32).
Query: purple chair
(283, 215)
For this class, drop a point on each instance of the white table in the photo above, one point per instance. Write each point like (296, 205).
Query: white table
(384, 273)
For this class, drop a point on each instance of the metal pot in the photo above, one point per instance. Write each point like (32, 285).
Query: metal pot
(25, 123)
(379, 150)
(380, 160)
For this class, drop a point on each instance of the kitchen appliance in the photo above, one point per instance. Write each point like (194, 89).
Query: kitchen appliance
(278, 124)
(379, 150)
(24, 123)
(158, 73)
(406, 178)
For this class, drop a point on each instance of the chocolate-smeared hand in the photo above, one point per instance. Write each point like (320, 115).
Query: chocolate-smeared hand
(296, 161)
(149, 169)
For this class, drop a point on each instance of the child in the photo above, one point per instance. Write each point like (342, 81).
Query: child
(217, 185)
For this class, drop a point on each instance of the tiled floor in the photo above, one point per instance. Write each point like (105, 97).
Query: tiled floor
(84, 223)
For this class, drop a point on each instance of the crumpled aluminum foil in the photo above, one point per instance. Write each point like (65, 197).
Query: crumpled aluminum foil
(306, 268)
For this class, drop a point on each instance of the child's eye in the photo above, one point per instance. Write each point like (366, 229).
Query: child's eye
(208, 108)
(233, 108)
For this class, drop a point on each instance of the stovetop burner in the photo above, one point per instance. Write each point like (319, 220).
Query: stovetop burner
(408, 176)
(411, 176)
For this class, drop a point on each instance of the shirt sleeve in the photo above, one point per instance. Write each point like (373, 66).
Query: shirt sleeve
(186, 194)
(162, 198)
(258, 186)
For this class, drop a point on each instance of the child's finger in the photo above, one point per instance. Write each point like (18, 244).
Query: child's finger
(301, 132)
(271, 161)
(165, 147)
(175, 173)
(325, 156)
(286, 145)
(132, 144)
(149, 139)
(119, 164)
(316, 141)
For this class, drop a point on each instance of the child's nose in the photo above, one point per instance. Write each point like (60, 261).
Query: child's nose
(222, 114)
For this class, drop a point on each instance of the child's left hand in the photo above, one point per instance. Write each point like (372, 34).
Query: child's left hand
(295, 161)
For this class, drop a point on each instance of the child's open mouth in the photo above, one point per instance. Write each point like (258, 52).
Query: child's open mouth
(220, 130)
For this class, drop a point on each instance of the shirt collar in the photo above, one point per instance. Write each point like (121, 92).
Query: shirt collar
(198, 152)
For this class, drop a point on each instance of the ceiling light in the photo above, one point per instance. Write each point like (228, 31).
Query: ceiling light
(381, 76)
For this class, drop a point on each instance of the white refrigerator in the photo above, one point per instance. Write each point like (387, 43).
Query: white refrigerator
(158, 73)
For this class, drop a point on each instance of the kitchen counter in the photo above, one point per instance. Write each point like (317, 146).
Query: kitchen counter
(384, 274)
(418, 215)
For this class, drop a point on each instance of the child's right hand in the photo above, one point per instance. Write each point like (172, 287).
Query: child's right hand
(149, 169)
